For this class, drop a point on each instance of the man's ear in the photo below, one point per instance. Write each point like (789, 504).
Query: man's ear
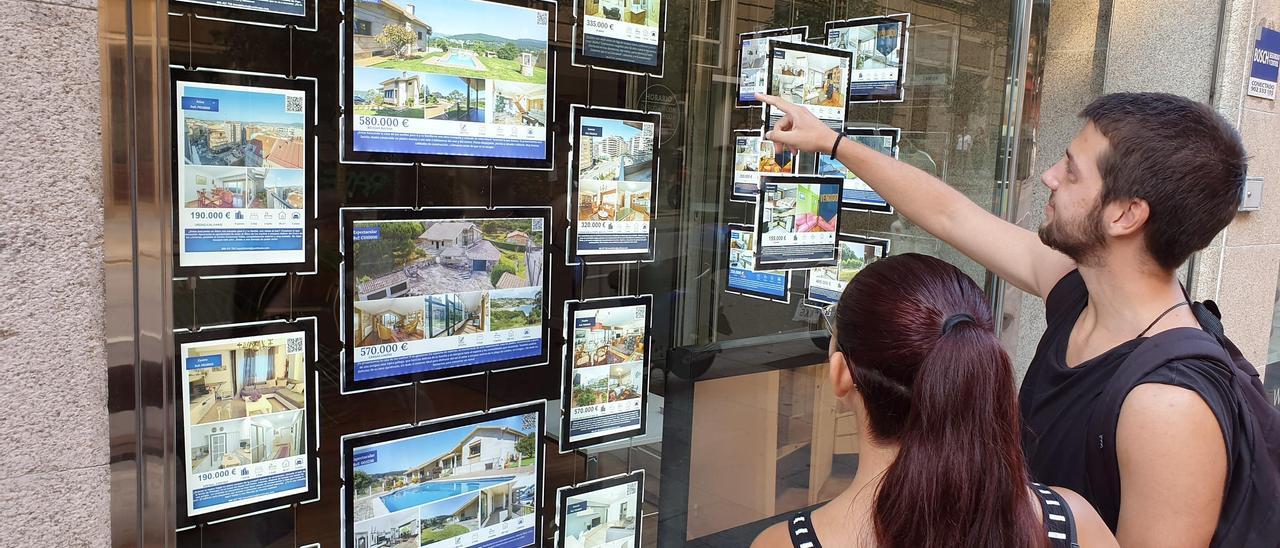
(841, 377)
(1127, 217)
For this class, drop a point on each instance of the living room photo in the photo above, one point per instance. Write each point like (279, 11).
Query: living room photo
(233, 380)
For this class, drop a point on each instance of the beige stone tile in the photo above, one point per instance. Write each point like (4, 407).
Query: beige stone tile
(66, 508)
(54, 414)
(1180, 63)
(1247, 297)
(1258, 129)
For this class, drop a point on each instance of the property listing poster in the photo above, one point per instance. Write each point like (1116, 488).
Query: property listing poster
(615, 166)
(623, 34)
(242, 175)
(878, 55)
(753, 60)
(798, 219)
(462, 78)
(853, 253)
(431, 296)
(744, 279)
(606, 371)
(281, 7)
(857, 194)
(244, 425)
(602, 514)
(470, 485)
(753, 156)
(813, 77)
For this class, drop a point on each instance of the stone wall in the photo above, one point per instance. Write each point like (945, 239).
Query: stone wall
(54, 480)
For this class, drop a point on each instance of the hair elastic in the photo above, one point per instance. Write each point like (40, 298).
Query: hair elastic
(954, 320)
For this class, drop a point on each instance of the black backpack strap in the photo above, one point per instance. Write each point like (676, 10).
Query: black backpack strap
(1101, 464)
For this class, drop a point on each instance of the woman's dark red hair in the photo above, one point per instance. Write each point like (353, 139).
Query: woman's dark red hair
(947, 400)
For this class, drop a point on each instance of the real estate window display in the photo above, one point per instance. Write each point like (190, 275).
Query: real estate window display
(706, 314)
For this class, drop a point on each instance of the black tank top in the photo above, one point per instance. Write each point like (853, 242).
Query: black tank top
(1056, 400)
(1059, 524)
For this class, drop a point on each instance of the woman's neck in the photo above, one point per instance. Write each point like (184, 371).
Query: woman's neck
(846, 520)
(874, 459)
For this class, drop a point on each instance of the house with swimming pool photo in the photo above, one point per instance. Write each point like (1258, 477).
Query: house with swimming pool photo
(458, 480)
(452, 37)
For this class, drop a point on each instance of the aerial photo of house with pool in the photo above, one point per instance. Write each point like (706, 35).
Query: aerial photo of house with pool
(456, 60)
(452, 482)
(395, 259)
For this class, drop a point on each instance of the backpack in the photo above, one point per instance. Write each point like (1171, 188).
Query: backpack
(1256, 517)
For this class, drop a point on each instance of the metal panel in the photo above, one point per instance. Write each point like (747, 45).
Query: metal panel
(133, 38)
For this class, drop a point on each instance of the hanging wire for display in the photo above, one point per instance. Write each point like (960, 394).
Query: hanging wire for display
(195, 324)
(491, 206)
(190, 46)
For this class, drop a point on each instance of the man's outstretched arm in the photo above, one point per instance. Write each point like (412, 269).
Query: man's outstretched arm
(1013, 253)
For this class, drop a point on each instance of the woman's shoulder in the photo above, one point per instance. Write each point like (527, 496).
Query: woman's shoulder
(776, 536)
(1090, 529)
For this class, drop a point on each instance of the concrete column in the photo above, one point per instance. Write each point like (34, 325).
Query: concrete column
(55, 486)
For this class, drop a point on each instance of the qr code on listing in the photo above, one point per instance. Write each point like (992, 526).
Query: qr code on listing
(294, 103)
(295, 345)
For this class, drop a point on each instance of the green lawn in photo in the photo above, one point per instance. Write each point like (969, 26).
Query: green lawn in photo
(515, 261)
(512, 319)
(498, 69)
(527, 461)
(446, 532)
(370, 110)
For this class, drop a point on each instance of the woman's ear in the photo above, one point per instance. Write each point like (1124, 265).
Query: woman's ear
(841, 377)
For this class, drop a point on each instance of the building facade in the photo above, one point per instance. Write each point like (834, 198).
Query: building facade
(77, 257)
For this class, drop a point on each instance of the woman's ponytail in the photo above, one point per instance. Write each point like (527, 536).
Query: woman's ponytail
(959, 478)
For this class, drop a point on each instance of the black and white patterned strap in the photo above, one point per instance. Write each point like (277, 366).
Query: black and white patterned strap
(1058, 521)
(803, 534)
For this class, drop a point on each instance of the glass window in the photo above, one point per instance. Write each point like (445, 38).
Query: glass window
(742, 427)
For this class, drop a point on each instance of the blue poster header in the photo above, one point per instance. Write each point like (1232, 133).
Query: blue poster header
(366, 233)
(204, 362)
(199, 103)
(584, 322)
(364, 459)
(592, 131)
(576, 507)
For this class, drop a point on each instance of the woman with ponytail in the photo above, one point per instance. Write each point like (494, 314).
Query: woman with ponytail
(913, 354)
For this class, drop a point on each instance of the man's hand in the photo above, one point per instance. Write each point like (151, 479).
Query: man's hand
(798, 129)
(1012, 253)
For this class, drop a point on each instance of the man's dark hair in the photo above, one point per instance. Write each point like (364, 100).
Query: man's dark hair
(1185, 160)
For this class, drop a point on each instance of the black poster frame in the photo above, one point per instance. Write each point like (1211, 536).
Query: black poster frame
(213, 76)
(738, 197)
(183, 337)
(213, 9)
(896, 135)
(581, 59)
(563, 494)
(571, 308)
(882, 244)
(351, 442)
(761, 227)
(347, 67)
(803, 31)
(577, 113)
(351, 215)
(786, 274)
(816, 50)
(903, 20)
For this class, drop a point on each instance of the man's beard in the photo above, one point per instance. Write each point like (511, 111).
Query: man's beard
(1082, 239)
